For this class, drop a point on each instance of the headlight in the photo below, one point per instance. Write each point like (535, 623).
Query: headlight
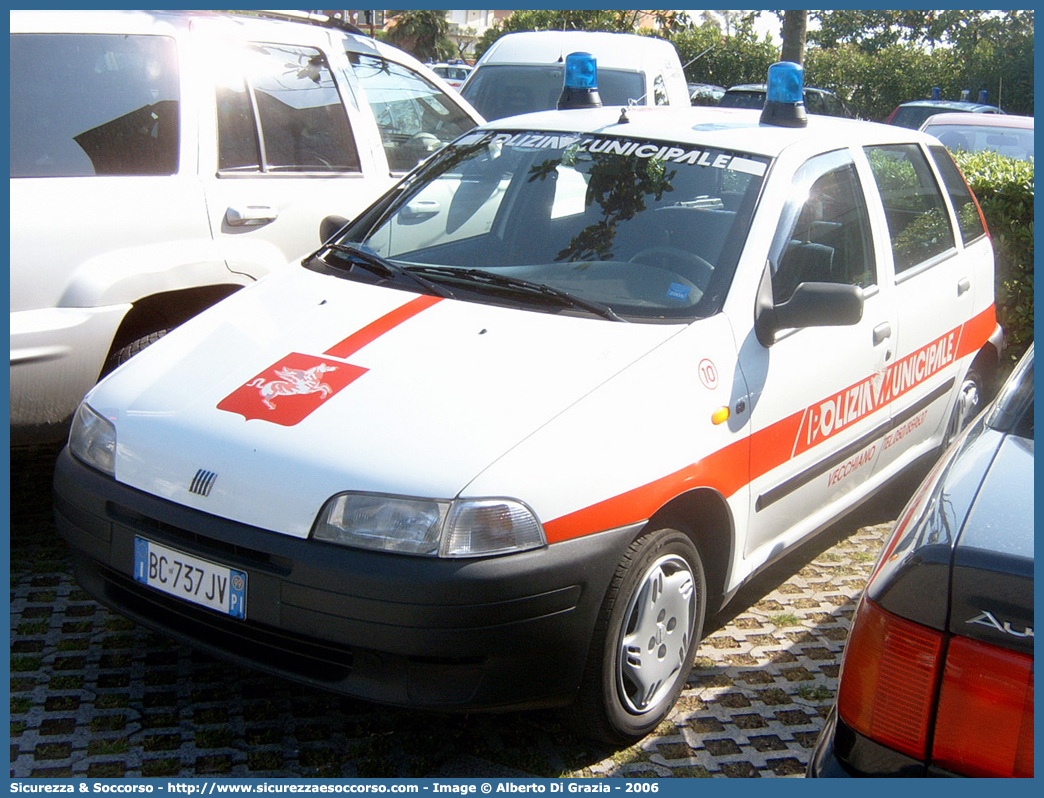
(93, 440)
(386, 523)
(463, 528)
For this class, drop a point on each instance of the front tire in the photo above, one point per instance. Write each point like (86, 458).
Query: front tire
(125, 353)
(647, 632)
(970, 400)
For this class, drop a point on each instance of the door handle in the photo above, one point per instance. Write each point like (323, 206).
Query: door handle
(882, 332)
(963, 286)
(250, 215)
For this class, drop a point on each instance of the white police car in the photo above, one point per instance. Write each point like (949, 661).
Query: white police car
(506, 439)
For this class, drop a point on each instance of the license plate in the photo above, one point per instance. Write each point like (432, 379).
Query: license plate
(190, 578)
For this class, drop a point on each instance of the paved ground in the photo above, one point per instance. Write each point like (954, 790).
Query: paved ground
(93, 695)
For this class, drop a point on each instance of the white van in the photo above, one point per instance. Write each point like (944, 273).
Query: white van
(522, 72)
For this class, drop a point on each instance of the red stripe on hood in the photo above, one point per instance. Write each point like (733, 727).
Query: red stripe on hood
(375, 329)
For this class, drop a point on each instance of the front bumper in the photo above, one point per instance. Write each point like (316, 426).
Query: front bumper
(494, 633)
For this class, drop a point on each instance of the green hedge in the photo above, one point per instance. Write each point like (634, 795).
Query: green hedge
(1004, 188)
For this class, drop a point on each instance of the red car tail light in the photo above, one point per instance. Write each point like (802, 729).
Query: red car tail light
(985, 721)
(889, 679)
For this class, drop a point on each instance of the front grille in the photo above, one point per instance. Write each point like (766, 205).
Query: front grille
(202, 482)
(200, 544)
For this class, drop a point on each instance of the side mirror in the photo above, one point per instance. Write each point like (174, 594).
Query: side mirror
(331, 226)
(811, 305)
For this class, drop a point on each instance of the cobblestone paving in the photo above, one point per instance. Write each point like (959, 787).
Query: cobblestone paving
(93, 695)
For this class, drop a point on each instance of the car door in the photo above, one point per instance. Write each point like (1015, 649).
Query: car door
(815, 409)
(934, 290)
(284, 150)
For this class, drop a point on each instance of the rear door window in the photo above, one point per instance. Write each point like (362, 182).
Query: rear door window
(93, 104)
(918, 221)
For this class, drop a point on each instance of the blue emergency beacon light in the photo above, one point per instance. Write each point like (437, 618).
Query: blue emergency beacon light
(580, 85)
(785, 100)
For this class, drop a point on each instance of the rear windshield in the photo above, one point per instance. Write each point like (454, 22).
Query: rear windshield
(913, 116)
(1008, 141)
(651, 229)
(499, 90)
(743, 99)
(93, 104)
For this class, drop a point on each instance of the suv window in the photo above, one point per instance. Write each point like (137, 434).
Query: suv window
(108, 107)
(825, 236)
(414, 116)
(918, 222)
(285, 115)
(969, 220)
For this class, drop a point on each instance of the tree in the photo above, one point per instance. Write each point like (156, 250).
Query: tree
(877, 59)
(794, 26)
(423, 33)
(710, 56)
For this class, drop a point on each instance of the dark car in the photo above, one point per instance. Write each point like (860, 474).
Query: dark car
(705, 93)
(913, 114)
(937, 678)
(817, 101)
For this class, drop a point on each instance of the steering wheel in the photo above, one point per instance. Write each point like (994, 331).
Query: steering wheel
(686, 264)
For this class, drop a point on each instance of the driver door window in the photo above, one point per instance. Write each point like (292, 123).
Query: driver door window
(829, 238)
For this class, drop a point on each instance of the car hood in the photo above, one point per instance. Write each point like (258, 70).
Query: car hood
(307, 385)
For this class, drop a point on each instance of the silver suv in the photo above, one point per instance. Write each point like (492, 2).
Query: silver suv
(160, 160)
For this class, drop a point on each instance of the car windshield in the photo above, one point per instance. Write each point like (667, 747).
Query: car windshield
(499, 90)
(650, 230)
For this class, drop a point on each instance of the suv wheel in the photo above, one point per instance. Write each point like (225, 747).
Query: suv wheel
(125, 353)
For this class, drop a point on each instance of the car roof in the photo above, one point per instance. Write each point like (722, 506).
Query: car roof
(613, 50)
(284, 26)
(761, 87)
(733, 129)
(957, 105)
(980, 120)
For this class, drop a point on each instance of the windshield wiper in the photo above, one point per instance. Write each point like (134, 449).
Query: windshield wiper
(375, 264)
(518, 284)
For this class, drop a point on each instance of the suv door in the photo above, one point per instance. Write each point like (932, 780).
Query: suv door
(284, 151)
(816, 418)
